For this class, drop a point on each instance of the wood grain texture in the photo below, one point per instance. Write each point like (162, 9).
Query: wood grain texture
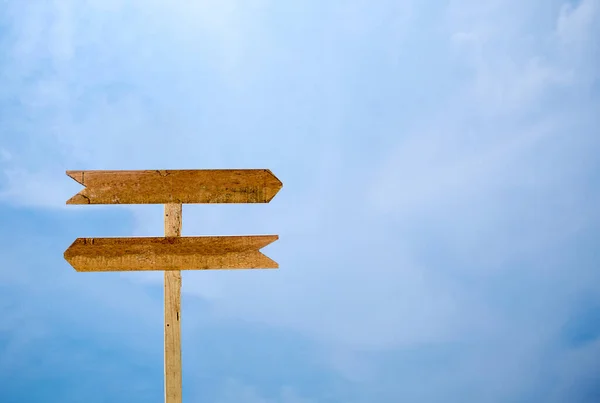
(173, 387)
(170, 253)
(175, 186)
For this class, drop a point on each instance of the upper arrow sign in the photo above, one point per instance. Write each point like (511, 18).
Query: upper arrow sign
(175, 186)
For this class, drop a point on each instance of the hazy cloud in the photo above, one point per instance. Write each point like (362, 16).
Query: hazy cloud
(439, 200)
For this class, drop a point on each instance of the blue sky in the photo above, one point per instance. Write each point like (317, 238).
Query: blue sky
(438, 224)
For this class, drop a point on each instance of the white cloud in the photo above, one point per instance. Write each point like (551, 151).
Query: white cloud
(491, 175)
(484, 141)
(515, 63)
(576, 22)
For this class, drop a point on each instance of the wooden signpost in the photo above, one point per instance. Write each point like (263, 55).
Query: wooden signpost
(173, 253)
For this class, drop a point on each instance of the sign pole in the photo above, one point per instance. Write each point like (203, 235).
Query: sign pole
(173, 313)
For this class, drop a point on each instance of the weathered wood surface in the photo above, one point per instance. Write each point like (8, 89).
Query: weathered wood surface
(170, 253)
(173, 387)
(175, 186)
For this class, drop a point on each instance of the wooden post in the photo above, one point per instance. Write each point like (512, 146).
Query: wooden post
(172, 313)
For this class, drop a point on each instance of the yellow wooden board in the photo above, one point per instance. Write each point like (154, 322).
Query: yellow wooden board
(170, 253)
(175, 186)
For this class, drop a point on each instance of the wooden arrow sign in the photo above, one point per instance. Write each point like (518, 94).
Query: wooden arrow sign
(175, 186)
(170, 253)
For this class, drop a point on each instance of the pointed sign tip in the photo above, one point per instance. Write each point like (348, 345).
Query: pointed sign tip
(67, 257)
(79, 199)
(274, 188)
(266, 262)
(77, 176)
(275, 178)
(266, 240)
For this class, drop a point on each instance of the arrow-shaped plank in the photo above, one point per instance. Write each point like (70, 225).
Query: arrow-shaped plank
(176, 186)
(170, 253)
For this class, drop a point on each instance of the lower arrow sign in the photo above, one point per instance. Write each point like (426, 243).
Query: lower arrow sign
(170, 253)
